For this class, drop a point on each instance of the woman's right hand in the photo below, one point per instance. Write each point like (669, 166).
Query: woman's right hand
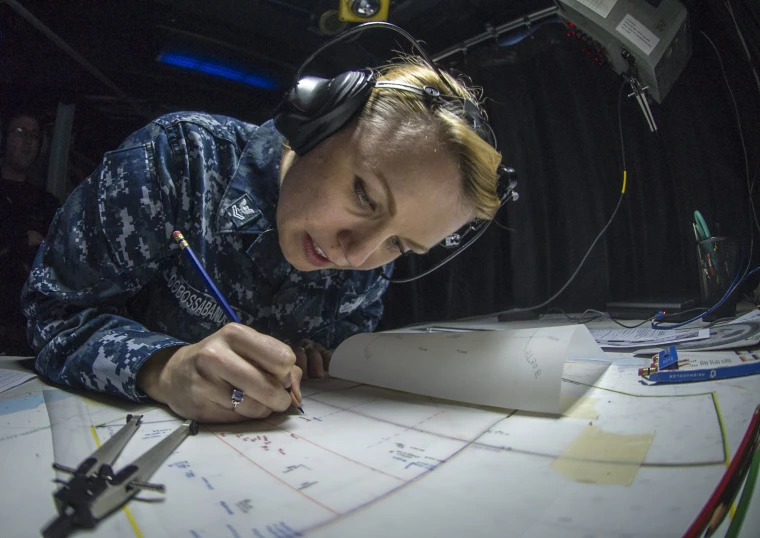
(196, 381)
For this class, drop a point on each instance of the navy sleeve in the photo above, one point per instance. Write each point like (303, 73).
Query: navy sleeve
(103, 246)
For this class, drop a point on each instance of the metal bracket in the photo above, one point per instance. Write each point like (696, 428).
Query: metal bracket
(640, 93)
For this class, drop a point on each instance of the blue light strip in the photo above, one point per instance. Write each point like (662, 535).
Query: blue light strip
(215, 69)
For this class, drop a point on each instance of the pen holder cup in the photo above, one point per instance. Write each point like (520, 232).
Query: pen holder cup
(718, 259)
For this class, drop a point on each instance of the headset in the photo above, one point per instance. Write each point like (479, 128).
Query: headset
(316, 108)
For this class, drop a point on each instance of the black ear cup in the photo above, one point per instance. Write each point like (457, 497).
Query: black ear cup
(475, 118)
(315, 108)
(507, 184)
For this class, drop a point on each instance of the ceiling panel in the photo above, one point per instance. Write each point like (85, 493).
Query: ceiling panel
(122, 41)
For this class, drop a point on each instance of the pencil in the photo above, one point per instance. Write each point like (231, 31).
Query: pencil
(185, 247)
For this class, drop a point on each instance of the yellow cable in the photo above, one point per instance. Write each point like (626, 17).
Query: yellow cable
(722, 428)
(625, 180)
(727, 453)
(130, 518)
(133, 523)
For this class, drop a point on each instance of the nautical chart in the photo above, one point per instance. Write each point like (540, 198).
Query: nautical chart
(366, 461)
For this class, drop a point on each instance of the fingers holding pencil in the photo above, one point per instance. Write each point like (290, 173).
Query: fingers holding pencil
(281, 369)
(211, 382)
(262, 351)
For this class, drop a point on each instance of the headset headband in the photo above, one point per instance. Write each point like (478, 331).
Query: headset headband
(367, 26)
(315, 108)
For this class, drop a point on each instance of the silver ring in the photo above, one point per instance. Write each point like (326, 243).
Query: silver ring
(237, 397)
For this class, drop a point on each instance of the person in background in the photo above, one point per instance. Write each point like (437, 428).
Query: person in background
(292, 240)
(26, 212)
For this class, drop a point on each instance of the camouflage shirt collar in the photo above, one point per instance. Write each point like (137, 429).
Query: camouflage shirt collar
(249, 203)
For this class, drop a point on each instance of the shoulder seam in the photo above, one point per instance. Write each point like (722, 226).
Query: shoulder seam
(212, 125)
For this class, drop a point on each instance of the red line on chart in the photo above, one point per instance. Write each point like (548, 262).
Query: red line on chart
(400, 486)
(301, 437)
(435, 434)
(312, 499)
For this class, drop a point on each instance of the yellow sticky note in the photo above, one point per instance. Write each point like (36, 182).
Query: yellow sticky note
(583, 408)
(599, 457)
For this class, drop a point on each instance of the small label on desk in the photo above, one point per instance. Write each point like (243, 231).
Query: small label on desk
(703, 366)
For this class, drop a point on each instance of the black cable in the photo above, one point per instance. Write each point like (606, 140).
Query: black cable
(740, 276)
(659, 318)
(614, 320)
(600, 314)
(744, 44)
(443, 262)
(506, 183)
(367, 26)
(753, 213)
(609, 221)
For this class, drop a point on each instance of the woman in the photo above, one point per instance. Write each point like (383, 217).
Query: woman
(291, 241)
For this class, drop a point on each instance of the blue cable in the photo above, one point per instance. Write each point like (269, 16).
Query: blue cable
(658, 318)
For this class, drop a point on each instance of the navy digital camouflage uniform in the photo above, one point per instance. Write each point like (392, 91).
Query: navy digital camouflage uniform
(110, 286)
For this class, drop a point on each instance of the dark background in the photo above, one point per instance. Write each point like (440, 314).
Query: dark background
(554, 111)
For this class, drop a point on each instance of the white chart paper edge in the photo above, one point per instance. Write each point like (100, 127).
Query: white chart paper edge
(512, 369)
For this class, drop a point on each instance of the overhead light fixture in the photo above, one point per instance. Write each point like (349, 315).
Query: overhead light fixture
(363, 10)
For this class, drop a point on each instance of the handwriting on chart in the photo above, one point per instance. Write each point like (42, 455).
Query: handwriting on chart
(185, 467)
(275, 530)
(260, 440)
(532, 360)
(401, 338)
(157, 432)
(448, 337)
(530, 356)
(367, 352)
(412, 457)
(106, 431)
(454, 337)
(264, 443)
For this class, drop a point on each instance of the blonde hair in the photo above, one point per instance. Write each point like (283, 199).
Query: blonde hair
(476, 158)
